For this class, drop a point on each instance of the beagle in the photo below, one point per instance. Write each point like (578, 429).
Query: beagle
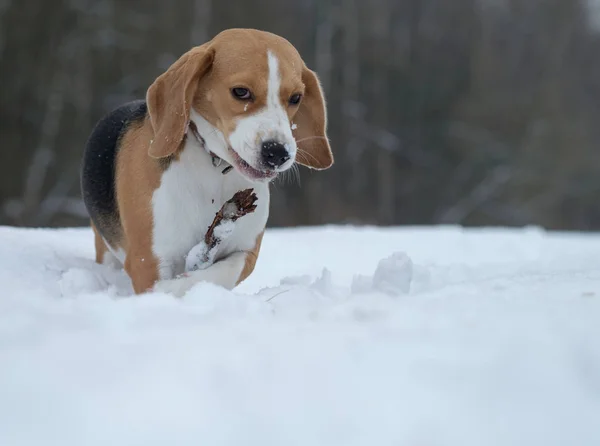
(226, 116)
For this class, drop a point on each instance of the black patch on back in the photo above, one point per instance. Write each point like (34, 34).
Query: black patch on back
(98, 167)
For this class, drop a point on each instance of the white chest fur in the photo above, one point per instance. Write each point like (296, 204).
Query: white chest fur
(191, 191)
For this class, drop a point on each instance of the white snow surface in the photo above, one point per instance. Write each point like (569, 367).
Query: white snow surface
(342, 336)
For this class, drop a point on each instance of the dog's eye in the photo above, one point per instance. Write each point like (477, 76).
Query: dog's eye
(241, 93)
(295, 99)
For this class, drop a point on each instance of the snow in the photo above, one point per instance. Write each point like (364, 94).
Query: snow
(342, 336)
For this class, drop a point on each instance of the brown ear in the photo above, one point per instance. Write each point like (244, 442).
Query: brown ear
(311, 126)
(170, 98)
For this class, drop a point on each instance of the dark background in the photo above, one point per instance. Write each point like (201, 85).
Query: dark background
(476, 112)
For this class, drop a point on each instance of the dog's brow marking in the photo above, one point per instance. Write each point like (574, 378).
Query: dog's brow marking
(274, 82)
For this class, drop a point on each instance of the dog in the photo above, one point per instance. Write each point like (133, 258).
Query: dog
(228, 115)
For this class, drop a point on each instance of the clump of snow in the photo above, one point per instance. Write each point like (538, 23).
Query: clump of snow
(230, 209)
(493, 342)
(224, 229)
(392, 276)
(294, 126)
(297, 280)
(199, 257)
(76, 281)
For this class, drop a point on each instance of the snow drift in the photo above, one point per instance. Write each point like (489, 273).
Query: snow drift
(342, 336)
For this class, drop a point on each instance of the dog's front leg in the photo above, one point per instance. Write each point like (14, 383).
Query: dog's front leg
(143, 268)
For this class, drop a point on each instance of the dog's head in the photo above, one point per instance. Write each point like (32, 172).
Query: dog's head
(252, 87)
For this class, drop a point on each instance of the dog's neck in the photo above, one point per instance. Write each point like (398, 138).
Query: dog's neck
(216, 161)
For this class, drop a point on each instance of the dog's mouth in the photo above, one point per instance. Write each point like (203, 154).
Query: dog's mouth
(248, 171)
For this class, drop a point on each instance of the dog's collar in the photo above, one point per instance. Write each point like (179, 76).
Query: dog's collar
(216, 161)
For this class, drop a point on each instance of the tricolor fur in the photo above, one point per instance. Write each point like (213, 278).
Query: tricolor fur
(149, 179)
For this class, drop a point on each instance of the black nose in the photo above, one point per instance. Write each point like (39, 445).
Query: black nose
(274, 154)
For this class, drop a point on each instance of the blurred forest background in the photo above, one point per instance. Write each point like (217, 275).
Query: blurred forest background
(474, 112)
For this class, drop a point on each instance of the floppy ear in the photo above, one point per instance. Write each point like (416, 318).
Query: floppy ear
(170, 98)
(311, 125)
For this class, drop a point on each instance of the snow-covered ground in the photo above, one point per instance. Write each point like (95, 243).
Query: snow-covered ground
(471, 337)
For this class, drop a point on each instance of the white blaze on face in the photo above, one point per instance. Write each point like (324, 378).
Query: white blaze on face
(269, 124)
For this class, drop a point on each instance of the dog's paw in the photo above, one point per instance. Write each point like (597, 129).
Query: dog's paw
(200, 257)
